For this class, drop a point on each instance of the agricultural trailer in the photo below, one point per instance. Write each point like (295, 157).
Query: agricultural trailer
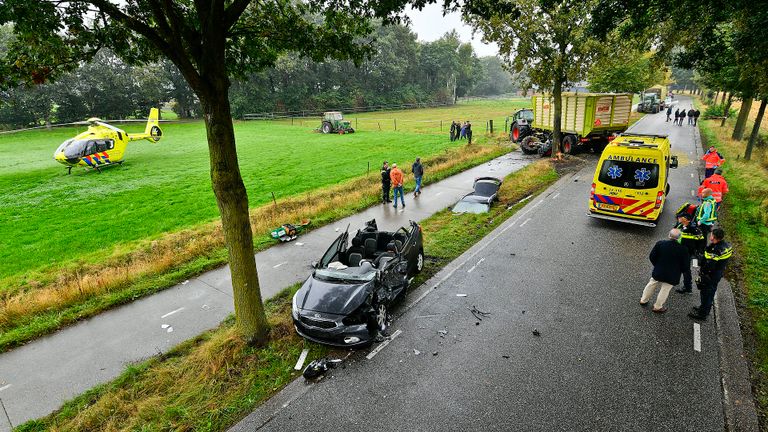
(588, 120)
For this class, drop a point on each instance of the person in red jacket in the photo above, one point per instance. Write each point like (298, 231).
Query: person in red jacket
(717, 183)
(713, 160)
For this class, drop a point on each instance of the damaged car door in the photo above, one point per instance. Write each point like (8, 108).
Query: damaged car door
(394, 278)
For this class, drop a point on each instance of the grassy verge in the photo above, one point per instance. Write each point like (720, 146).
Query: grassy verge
(212, 381)
(745, 219)
(83, 290)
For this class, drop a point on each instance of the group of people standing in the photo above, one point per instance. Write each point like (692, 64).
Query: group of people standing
(392, 179)
(461, 131)
(694, 241)
(681, 114)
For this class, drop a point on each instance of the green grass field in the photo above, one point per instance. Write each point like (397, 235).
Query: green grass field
(49, 218)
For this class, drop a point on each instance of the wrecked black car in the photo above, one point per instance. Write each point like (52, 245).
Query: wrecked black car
(480, 200)
(346, 300)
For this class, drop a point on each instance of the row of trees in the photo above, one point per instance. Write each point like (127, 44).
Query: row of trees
(401, 70)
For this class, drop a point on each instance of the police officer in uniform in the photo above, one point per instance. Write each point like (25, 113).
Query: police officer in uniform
(714, 260)
(692, 238)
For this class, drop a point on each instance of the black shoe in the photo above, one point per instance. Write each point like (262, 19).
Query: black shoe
(684, 290)
(697, 316)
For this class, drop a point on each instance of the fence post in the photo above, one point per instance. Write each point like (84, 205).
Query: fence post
(355, 122)
(441, 125)
(274, 200)
(490, 123)
(506, 124)
(395, 120)
(378, 123)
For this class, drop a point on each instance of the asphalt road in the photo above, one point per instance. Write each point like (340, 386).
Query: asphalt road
(37, 378)
(601, 362)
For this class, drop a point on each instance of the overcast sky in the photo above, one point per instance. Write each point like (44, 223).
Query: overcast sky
(430, 24)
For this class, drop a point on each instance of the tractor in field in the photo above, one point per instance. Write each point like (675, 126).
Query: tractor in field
(333, 122)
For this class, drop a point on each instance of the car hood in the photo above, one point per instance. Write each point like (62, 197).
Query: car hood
(332, 297)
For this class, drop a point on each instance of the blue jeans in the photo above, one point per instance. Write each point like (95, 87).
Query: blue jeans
(418, 184)
(398, 190)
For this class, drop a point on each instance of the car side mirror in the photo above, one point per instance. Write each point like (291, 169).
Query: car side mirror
(314, 264)
(673, 162)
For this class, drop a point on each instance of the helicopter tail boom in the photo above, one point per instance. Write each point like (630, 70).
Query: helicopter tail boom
(152, 132)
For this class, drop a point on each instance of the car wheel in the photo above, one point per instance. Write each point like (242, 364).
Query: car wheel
(381, 316)
(420, 261)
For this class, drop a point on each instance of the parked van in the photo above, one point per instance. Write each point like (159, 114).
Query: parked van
(631, 181)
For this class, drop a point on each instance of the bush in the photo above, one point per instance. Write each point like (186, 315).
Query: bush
(713, 111)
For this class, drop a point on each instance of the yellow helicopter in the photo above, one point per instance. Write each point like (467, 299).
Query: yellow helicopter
(102, 144)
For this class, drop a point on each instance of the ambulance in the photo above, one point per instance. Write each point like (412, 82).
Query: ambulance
(631, 181)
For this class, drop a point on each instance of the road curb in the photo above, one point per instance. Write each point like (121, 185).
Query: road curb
(738, 401)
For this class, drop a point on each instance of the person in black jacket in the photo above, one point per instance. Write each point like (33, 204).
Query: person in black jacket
(691, 113)
(418, 172)
(696, 115)
(677, 116)
(693, 239)
(715, 257)
(670, 260)
(386, 183)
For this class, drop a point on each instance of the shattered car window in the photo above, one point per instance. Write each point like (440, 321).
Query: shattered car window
(350, 274)
(471, 207)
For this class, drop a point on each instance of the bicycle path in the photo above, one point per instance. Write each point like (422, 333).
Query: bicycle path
(37, 378)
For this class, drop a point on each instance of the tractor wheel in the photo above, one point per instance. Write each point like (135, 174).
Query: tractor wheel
(514, 133)
(530, 145)
(326, 128)
(569, 144)
(351, 130)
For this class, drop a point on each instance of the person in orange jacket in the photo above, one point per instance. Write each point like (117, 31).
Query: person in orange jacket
(717, 183)
(713, 160)
(397, 184)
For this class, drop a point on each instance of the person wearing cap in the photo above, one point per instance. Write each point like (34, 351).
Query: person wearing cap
(706, 213)
(717, 183)
(670, 260)
(712, 160)
(692, 238)
(397, 183)
(714, 260)
(386, 183)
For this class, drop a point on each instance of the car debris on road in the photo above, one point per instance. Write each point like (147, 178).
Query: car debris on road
(319, 367)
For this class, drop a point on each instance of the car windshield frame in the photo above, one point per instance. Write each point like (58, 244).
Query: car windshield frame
(347, 274)
(626, 176)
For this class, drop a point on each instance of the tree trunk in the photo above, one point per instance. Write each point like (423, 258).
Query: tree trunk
(232, 200)
(741, 120)
(717, 94)
(755, 129)
(557, 136)
(727, 109)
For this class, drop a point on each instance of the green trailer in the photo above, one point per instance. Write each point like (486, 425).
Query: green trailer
(587, 120)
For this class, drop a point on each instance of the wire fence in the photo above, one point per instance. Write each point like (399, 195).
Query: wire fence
(354, 109)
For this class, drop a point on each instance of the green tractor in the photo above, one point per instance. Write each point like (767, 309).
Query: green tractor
(333, 122)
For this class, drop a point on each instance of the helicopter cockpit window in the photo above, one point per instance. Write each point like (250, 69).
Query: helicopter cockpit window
(104, 145)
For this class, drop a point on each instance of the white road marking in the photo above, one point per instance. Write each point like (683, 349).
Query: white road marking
(301, 360)
(525, 199)
(278, 265)
(475, 266)
(693, 193)
(525, 222)
(575, 178)
(697, 337)
(438, 194)
(299, 244)
(556, 195)
(691, 175)
(383, 344)
(172, 312)
(185, 282)
(5, 387)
